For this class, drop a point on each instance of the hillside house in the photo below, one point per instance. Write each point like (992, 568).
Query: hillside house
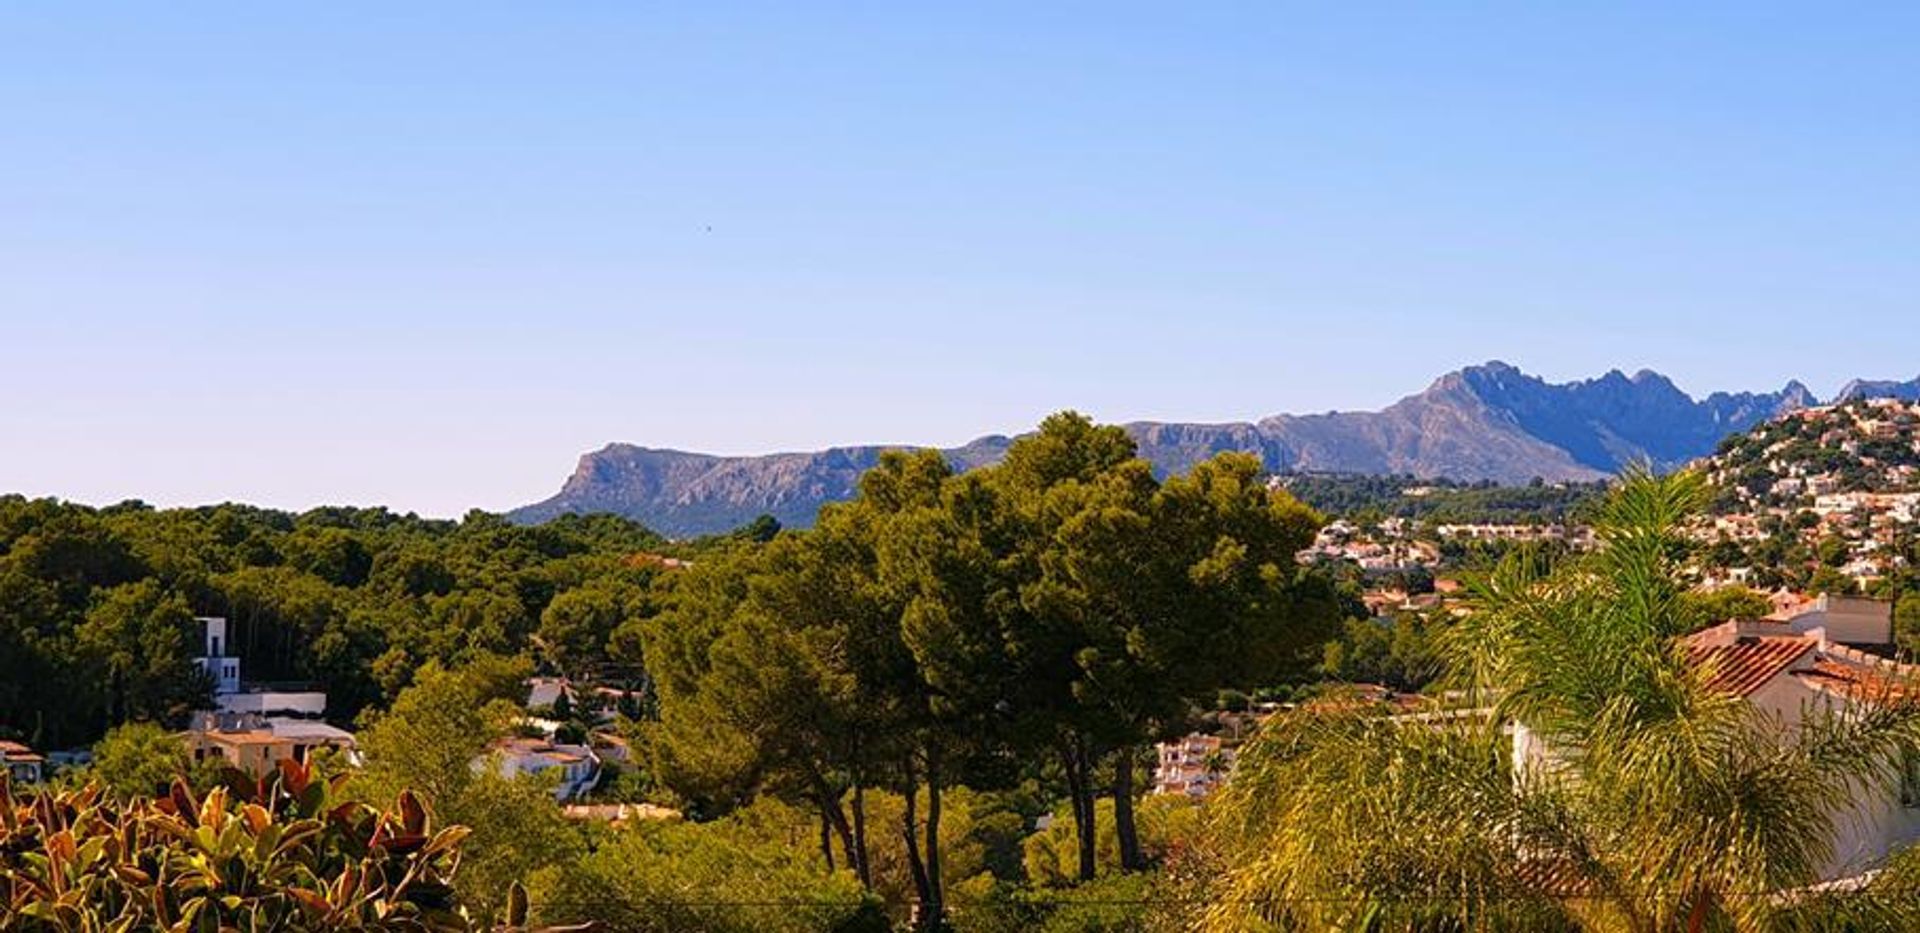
(254, 726)
(234, 695)
(22, 765)
(576, 768)
(257, 744)
(1826, 654)
(257, 752)
(1192, 766)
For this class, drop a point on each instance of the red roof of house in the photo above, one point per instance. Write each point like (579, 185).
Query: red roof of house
(1859, 683)
(253, 737)
(1747, 664)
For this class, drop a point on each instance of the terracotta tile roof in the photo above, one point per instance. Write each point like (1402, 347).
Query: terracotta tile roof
(1859, 683)
(12, 748)
(246, 738)
(1747, 664)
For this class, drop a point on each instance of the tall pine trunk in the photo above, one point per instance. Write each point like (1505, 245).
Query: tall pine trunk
(1131, 858)
(834, 816)
(1074, 761)
(910, 829)
(861, 866)
(826, 840)
(934, 917)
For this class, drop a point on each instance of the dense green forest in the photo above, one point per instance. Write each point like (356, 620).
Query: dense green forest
(1439, 500)
(99, 599)
(921, 677)
(100, 602)
(936, 704)
(868, 721)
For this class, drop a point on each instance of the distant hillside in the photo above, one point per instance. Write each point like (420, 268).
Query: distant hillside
(1825, 500)
(684, 494)
(1489, 422)
(1348, 495)
(1858, 445)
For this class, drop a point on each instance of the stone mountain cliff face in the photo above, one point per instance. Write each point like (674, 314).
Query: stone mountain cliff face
(1484, 422)
(684, 494)
(1880, 388)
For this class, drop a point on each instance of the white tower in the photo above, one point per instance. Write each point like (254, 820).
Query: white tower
(223, 668)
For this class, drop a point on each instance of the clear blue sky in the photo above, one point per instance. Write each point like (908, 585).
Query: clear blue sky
(424, 254)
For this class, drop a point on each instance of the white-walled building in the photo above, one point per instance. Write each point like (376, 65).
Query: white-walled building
(231, 694)
(269, 701)
(1822, 656)
(256, 744)
(1192, 765)
(253, 726)
(576, 767)
(222, 667)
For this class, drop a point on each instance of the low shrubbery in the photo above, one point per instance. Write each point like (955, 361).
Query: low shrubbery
(285, 853)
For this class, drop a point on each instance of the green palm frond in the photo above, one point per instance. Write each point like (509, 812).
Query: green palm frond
(1662, 803)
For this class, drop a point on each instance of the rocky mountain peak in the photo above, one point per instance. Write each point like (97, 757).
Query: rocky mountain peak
(1490, 421)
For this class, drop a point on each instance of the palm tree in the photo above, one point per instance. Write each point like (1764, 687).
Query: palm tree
(1650, 801)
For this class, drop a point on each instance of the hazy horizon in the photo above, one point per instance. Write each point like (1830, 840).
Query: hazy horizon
(426, 257)
(559, 475)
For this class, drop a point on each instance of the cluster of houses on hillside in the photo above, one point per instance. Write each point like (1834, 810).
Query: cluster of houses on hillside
(1847, 473)
(1871, 526)
(1398, 544)
(254, 726)
(1192, 765)
(1391, 545)
(1579, 537)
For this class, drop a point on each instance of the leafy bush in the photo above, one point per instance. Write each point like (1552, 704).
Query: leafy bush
(736, 874)
(286, 855)
(1117, 903)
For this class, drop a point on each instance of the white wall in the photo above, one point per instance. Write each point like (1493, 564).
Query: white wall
(310, 703)
(1849, 621)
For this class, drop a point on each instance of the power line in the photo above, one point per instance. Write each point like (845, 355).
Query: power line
(1259, 901)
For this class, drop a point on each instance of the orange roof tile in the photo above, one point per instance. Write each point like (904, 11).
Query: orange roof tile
(1859, 683)
(1747, 664)
(247, 738)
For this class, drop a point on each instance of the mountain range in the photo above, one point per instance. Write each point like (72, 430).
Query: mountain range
(1487, 422)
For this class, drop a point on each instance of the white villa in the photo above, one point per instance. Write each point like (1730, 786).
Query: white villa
(255, 726)
(577, 767)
